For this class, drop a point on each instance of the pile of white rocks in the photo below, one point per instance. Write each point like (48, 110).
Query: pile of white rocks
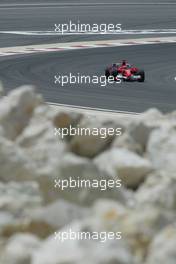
(33, 158)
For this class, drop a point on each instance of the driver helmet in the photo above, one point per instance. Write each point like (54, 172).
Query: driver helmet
(124, 63)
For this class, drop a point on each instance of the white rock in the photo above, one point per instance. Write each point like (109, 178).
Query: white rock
(143, 125)
(127, 141)
(82, 251)
(20, 248)
(19, 197)
(58, 214)
(15, 164)
(108, 214)
(91, 144)
(162, 249)
(128, 166)
(63, 119)
(158, 190)
(141, 225)
(162, 148)
(108, 208)
(6, 218)
(82, 169)
(16, 110)
(40, 143)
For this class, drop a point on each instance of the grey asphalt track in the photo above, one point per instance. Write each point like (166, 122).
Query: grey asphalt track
(83, 1)
(159, 90)
(159, 61)
(41, 18)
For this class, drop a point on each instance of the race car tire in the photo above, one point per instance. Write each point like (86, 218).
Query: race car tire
(107, 73)
(114, 73)
(142, 74)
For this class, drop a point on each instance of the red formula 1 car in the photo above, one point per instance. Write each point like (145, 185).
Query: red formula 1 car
(124, 71)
